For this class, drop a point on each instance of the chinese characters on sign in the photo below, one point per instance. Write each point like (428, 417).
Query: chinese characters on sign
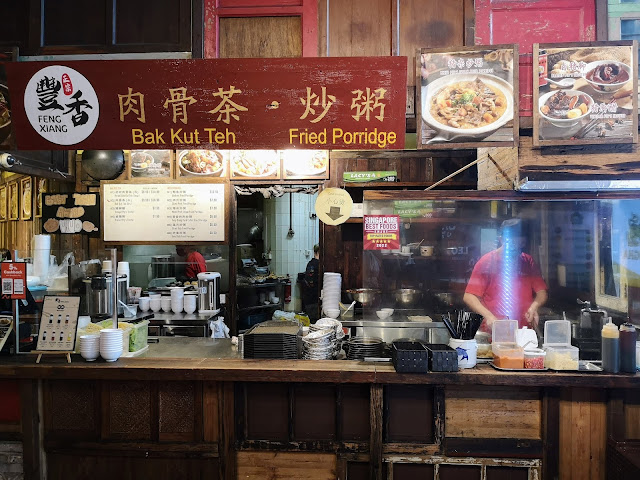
(381, 232)
(61, 105)
(224, 104)
(466, 97)
(585, 93)
(165, 212)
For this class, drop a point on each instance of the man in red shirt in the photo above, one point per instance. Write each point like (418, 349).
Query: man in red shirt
(194, 261)
(506, 283)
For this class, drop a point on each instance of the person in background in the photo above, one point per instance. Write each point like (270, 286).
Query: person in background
(194, 261)
(310, 291)
(506, 283)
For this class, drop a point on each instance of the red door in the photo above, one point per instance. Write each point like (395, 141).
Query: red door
(533, 21)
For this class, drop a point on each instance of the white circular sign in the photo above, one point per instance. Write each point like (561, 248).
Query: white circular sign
(61, 105)
(334, 206)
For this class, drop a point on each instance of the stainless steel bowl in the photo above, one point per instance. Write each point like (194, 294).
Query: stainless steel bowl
(365, 296)
(407, 297)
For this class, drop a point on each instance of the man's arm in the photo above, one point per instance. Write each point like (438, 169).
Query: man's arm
(532, 312)
(474, 303)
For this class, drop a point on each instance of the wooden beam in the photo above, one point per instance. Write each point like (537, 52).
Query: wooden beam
(375, 442)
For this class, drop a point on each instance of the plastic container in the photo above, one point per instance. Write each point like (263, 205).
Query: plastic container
(410, 357)
(38, 292)
(467, 351)
(560, 354)
(628, 338)
(138, 336)
(562, 357)
(610, 347)
(508, 355)
(534, 359)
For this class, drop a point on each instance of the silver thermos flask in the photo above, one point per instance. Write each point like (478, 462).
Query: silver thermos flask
(209, 292)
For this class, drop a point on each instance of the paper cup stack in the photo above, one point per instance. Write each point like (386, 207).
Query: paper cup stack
(90, 347)
(331, 288)
(177, 299)
(110, 344)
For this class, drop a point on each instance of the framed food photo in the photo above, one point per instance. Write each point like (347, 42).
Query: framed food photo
(585, 93)
(150, 164)
(13, 201)
(305, 164)
(255, 164)
(40, 187)
(202, 163)
(26, 198)
(3, 203)
(467, 97)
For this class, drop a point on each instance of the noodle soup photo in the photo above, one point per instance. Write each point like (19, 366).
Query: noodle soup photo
(467, 98)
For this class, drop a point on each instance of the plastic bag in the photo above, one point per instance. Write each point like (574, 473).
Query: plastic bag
(218, 328)
(57, 272)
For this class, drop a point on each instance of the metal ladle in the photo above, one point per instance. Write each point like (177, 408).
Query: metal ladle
(564, 83)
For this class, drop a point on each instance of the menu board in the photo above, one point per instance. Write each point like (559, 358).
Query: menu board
(163, 212)
(71, 213)
(58, 323)
(585, 93)
(467, 97)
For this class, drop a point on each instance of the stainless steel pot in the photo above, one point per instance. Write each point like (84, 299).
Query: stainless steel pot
(366, 296)
(99, 294)
(407, 297)
(162, 266)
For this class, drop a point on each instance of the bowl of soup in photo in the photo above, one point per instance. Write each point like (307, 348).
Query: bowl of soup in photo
(607, 75)
(565, 108)
(470, 105)
(200, 163)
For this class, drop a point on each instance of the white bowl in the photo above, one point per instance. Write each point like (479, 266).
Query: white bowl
(333, 312)
(390, 310)
(432, 89)
(383, 314)
(90, 356)
(110, 356)
(564, 122)
(606, 87)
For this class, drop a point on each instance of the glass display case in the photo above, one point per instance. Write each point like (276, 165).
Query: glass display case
(584, 246)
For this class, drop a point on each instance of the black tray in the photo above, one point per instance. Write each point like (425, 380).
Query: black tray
(409, 357)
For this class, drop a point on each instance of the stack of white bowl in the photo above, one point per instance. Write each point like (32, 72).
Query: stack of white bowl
(190, 302)
(331, 288)
(177, 299)
(165, 302)
(111, 344)
(90, 347)
(155, 302)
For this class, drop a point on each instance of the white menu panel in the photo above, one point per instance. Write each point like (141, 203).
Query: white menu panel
(166, 212)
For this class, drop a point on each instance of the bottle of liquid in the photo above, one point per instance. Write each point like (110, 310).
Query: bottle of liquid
(628, 337)
(610, 348)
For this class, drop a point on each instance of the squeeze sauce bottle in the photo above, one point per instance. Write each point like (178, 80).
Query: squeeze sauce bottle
(610, 348)
(628, 337)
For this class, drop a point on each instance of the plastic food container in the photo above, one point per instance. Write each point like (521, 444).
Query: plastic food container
(561, 355)
(508, 356)
(534, 359)
(138, 336)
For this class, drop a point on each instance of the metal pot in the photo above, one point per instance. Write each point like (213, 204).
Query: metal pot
(162, 266)
(445, 298)
(367, 297)
(407, 297)
(99, 294)
(103, 164)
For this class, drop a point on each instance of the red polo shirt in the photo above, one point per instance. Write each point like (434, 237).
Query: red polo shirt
(506, 286)
(195, 265)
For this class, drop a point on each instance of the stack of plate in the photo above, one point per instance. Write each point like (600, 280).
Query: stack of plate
(361, 347)
(320, 344)
(274, 339)
(331, 288)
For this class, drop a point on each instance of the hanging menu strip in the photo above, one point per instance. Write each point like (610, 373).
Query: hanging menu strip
(163, 212)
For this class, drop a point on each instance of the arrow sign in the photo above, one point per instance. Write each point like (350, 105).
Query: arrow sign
(334, 213)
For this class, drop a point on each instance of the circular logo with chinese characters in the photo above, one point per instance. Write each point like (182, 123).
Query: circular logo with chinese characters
(61, 105)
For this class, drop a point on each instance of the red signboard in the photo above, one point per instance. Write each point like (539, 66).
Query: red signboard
(309, 103)
(14, 279)
(381, 232)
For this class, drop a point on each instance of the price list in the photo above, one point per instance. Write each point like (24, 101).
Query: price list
(163, 212)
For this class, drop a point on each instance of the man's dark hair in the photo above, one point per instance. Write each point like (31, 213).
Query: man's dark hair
(316, 248)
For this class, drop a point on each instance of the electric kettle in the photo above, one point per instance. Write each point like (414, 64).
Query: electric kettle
(209, 292)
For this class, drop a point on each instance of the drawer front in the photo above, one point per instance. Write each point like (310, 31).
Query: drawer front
(184, 330)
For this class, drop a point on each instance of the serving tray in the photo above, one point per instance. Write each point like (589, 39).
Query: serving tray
(518, 369)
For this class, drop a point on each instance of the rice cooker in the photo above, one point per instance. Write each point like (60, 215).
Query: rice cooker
(99, 294)
(209, 292)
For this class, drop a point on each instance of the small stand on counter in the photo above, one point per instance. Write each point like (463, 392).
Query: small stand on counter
(58, 325)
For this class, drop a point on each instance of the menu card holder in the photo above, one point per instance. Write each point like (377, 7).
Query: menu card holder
(58, 326)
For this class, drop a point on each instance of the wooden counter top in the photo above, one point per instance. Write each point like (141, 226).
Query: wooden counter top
(212, 359)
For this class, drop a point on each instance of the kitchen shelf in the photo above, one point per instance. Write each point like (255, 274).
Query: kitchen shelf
(379, 185)
(259, 285)
(260, 307)
(421, 220)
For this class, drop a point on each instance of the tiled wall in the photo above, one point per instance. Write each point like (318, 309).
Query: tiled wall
(291, 254)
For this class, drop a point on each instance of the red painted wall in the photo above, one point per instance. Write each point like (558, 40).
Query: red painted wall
(533, 21)
(9, 401)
